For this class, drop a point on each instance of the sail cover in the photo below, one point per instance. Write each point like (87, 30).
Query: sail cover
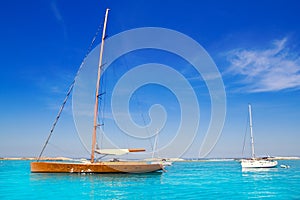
(117, 151)
(112, 151)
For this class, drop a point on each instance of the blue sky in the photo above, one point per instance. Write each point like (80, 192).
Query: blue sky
(255, 45)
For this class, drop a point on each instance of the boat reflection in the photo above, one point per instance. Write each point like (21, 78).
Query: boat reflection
(93, 176)
(97, 186)
(259, 169)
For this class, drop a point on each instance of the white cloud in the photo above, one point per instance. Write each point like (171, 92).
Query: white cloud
(58, 16)
(262, 70)
(56, 12)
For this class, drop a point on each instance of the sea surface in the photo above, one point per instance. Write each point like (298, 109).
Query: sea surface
(183, 180)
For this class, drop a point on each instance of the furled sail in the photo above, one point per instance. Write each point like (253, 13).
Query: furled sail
(117, 151)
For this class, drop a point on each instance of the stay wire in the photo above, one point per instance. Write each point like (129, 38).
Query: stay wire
(69, 92)
(246, 130)
(101, 117)
(139, 106)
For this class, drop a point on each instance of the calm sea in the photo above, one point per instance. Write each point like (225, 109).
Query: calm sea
(186, 180)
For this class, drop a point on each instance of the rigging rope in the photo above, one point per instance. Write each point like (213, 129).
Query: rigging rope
(246, 129)
(69, 92)
(102, 102)
(139, 106)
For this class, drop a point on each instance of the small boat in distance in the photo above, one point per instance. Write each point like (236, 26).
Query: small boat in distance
(285, 166)
(157, 159)
(91, 166)
(255, 162)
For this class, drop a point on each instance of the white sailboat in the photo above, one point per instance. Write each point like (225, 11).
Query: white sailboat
(157, 159)
(255, 162)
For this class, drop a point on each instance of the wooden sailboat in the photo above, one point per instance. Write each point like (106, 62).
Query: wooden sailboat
(255, 162)
(103, 166)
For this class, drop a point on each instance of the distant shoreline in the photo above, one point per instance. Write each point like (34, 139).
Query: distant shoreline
(169, 159)
(35, 158)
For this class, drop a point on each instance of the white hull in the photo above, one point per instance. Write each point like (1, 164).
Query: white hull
(163, 163)
(258, 163)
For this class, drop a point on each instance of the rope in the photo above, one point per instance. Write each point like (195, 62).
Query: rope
(69, 92)
(58, 148)
(246, 129)
(139, 106)
(57, 117)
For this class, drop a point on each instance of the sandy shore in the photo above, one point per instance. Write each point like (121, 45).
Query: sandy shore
(287, 158)
(34, 158)
(169, 159)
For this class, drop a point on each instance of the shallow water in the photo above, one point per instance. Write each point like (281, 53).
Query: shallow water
(184, 180)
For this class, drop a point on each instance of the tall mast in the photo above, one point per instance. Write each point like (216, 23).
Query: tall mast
(155, 144)
(251, 132)
(97, 90)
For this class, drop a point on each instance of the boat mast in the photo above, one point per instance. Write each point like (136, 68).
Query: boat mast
(97, 90)
(251, 132)
(155, 144)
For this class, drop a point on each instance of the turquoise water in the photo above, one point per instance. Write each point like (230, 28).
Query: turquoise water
(188, 180)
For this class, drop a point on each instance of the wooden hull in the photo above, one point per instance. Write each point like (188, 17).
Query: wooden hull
(99, 167)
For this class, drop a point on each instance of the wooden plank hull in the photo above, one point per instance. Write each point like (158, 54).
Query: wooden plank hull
(100, 167)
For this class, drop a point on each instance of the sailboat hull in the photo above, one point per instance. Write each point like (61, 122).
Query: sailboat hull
(99, 167)
(258, 163)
